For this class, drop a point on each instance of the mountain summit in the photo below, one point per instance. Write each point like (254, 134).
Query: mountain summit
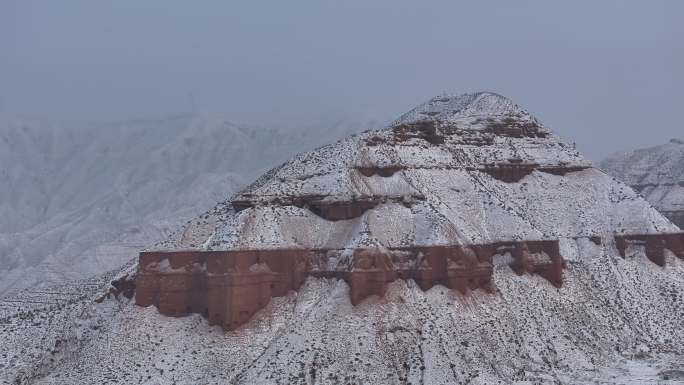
(474, 111)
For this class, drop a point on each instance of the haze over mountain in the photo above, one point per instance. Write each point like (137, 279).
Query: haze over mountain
(80, 200)
(473, 171)
(657, 173)
(605, 81)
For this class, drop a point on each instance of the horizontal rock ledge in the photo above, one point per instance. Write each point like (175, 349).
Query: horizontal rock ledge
(228, 287)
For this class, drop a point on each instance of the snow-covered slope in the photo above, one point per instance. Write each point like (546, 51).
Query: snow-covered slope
(78, 201)
(614, 320)
(446, 167)
(657, 173)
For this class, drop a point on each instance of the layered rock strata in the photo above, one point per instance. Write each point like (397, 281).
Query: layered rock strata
(452, 189)
(228, 287)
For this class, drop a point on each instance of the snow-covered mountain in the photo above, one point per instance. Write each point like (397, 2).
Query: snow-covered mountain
(445, 173)
(657, 173)
(458, 170)
(81, 200)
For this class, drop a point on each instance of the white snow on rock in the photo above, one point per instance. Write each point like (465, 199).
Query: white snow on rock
(614, 320)
(468, 109)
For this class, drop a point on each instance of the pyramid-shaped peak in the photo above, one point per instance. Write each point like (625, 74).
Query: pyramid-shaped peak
(460, 187)
(471, 110)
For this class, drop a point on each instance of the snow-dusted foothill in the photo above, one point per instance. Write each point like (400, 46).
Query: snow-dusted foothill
(81, 199)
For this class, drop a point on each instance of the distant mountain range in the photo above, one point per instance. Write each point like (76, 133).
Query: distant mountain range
(80, 200)
(657, 173)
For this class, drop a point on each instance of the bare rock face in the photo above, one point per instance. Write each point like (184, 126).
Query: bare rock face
(124, 285)
(655, 245)
(228, 287)
(451, 190)
(657, 173)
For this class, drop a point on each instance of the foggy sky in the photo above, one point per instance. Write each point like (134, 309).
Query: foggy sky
(606, 74)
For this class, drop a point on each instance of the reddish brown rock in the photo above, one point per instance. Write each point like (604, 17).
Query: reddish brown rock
(228, 287)
(425, 130)
(384, 171)
(514, 170)
(509, 172)
(515, 128)
(332, 210)
(654, 245)
(336, 211)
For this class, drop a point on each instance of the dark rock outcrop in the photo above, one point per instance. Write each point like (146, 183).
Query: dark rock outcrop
(122, 286)
(654, 245)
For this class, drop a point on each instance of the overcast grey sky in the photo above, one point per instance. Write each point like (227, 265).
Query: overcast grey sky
(607, 74)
